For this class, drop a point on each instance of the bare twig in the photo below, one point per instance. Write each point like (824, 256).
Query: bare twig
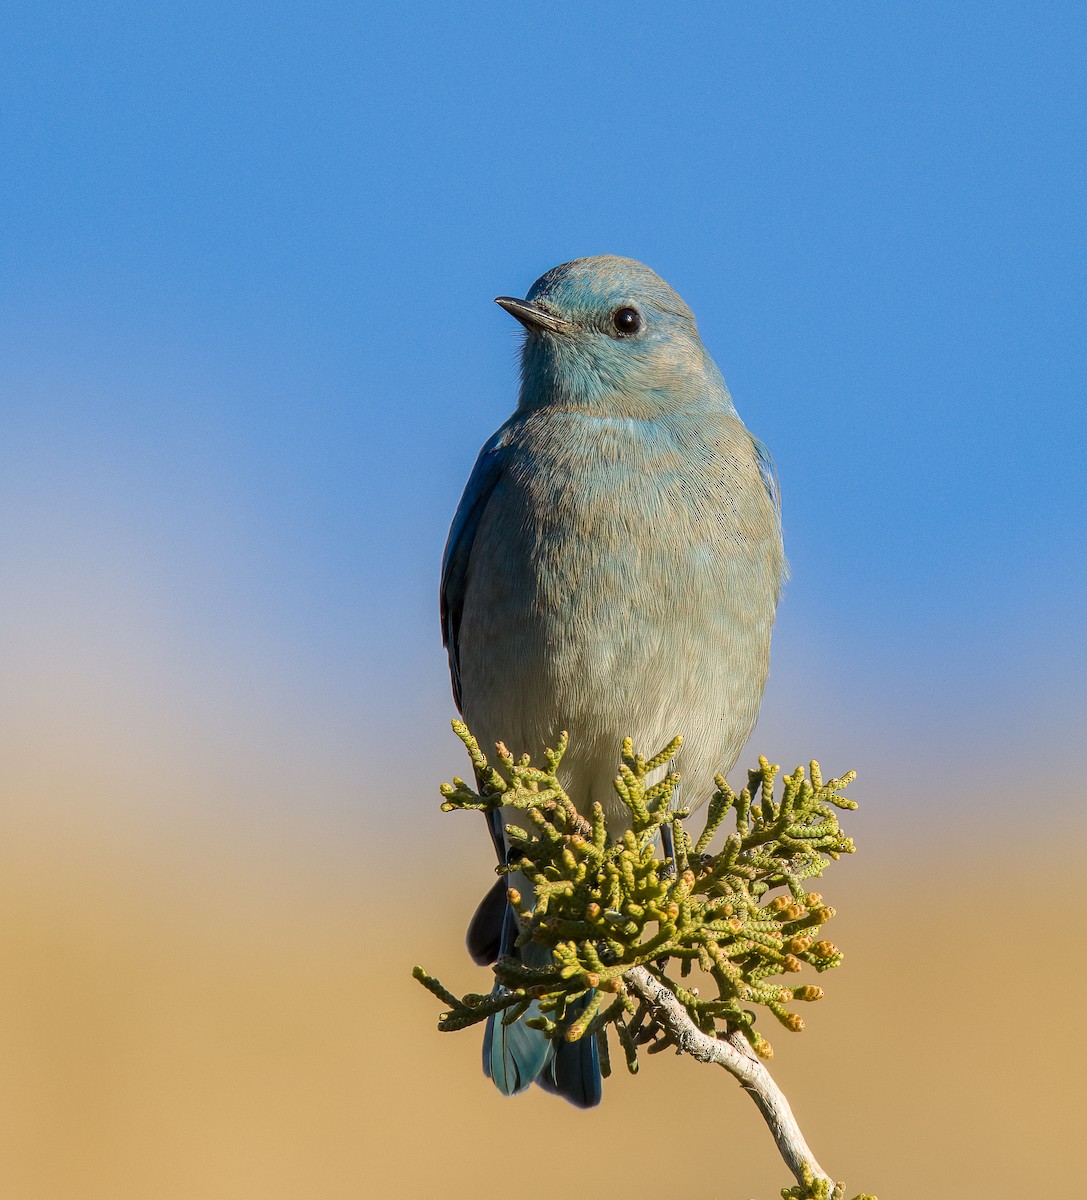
(734, 1054)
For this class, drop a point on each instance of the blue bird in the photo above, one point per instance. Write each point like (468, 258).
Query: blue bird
(613, 568)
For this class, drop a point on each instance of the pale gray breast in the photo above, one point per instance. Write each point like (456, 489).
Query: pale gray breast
(623, 581)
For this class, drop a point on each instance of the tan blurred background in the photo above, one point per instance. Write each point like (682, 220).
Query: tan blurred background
(225, 1015)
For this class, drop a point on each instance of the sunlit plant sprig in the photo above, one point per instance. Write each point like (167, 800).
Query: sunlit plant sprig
(742, 913)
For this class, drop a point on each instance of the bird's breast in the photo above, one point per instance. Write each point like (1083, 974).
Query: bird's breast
(622, 581)
(630, 496)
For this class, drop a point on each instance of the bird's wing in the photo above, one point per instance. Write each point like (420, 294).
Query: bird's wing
(768, 473)
(458, 549)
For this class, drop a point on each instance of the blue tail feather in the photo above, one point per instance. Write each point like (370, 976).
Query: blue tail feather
(515, 1055)
(574, 1071)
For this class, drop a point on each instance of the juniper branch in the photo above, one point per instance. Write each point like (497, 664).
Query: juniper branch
(615, 913)
(734, 1054)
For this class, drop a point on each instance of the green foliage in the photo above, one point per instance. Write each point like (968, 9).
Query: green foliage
(811, 1188)
(742, 914)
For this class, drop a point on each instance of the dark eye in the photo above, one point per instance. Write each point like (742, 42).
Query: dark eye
(626, 321)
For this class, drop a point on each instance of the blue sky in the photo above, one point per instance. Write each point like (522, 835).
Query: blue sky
(248, 353)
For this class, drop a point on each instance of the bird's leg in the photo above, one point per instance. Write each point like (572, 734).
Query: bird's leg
(668, 841)
(668, 851)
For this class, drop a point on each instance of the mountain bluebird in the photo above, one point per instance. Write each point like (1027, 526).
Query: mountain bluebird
(613, 569)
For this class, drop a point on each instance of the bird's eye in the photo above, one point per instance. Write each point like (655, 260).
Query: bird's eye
(626, 321)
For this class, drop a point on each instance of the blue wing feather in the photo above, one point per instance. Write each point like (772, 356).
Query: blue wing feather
(514, 1055)
(458, 548)
(767, 473)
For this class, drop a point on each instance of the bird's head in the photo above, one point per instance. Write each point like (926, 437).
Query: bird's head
(608, 336)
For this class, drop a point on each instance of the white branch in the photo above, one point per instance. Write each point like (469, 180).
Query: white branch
(736, 1056)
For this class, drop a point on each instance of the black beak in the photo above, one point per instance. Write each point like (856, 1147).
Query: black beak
(532, 316)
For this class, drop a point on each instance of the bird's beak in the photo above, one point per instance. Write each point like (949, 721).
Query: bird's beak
(532, 316)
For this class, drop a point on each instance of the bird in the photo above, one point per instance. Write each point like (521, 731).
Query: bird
(613, 568)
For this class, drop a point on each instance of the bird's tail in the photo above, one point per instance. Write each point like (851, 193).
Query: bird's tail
(574, 1069)
(516, 1055)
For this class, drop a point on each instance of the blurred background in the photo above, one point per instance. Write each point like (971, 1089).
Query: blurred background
(247, 356)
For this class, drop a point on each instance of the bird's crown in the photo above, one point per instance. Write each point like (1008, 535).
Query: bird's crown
(602, 285)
